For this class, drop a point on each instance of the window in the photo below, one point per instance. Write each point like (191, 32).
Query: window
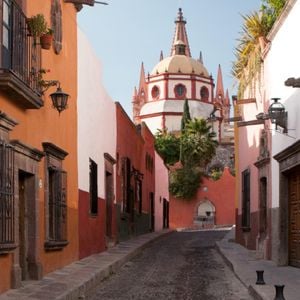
(126, 184)
(6, 33)
(180, 91)
(57, 205)
(56, 198)
(155, 92)
(204, 94)
(93, 188)
(246, 199)
(20, 58)
(7, 237)
(149, 163)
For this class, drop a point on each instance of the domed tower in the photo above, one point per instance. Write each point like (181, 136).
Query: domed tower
(160, 97)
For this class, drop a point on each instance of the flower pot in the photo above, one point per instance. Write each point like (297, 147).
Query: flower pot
(46, 41)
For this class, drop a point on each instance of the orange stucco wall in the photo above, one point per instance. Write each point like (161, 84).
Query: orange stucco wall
(36, 126)
(5, 266)
(220, 193)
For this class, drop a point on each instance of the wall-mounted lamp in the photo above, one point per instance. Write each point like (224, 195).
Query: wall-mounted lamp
(59, 99)
(212, 116)
(277, 114)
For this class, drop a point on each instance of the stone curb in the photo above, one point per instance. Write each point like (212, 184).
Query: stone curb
(80, 279)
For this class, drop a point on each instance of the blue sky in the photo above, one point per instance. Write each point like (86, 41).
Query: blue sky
(126, 33)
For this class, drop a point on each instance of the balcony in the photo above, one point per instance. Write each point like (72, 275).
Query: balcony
(20, 59)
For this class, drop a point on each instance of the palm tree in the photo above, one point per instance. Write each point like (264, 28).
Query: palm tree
(247, 66)
(198, 143)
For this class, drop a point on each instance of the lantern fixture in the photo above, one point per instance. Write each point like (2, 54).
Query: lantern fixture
(277, 114)
(212, 116)
(59, 99)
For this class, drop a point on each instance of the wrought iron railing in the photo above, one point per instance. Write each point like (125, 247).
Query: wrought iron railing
(6, 194)
(20, 54)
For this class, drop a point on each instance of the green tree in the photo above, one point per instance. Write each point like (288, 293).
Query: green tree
(198, 147)
(271, 10)
(198, 143)
(184, 182)
(168, 146)
(186, 117)
(195, 146)
(247, 65)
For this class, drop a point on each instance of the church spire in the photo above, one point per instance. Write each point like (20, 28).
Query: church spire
(220, 87)
(201, 58)
(180, 34)
(161, 56)
(142, 79)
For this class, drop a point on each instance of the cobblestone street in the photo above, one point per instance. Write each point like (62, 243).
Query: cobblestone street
(182, 265)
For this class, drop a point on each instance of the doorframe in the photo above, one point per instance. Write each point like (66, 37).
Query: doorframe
(288, 160)
(27, 160)
(109, 168)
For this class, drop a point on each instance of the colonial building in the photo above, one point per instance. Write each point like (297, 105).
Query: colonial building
(159, 99)
(268, 149)
(38, 140)
(135, 178)
(161, 94)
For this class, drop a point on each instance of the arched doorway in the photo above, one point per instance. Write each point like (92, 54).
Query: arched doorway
(205, 214)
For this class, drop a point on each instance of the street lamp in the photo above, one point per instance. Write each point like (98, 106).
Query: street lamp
(59, 99)
(277, 114)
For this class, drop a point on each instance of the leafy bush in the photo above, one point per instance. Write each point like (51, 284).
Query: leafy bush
(168, 146)
(184, 182)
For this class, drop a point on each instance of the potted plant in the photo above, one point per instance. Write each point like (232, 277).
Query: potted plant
(37, 25)
(46, 39)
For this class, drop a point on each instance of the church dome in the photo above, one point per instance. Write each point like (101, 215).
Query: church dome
(180, 64)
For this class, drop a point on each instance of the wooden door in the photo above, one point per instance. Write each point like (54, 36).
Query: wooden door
(23, 228)
(294, 219)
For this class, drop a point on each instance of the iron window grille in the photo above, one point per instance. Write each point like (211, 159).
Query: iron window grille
(7, 237)
(57, 205)
(126, 185)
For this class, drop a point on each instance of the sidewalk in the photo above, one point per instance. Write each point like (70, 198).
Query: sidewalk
(244, 264)
(79, 279)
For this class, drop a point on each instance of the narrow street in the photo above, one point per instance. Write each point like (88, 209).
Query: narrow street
(182, 265)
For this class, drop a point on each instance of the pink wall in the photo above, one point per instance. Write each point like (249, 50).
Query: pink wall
(161, 190)
(248, 148)
(220, 193)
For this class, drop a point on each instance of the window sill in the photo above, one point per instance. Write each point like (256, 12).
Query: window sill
(55, 245)
(6, 248)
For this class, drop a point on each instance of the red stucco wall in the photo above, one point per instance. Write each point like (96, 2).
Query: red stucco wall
(220, 193)
(92, 228)
(134, 144)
